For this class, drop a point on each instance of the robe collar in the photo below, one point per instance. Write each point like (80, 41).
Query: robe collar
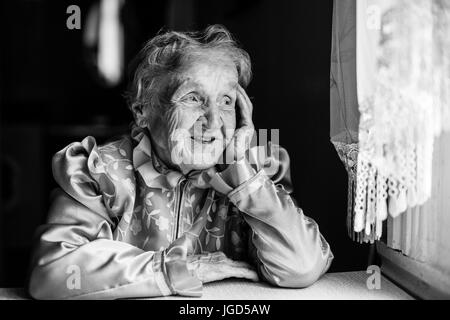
(153, 171)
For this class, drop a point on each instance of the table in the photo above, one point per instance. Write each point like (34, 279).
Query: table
(332, 286)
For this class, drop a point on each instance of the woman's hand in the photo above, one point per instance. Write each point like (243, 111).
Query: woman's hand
(216, 266)
(244, 130)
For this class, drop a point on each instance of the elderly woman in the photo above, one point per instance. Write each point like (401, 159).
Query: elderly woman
(182, 200)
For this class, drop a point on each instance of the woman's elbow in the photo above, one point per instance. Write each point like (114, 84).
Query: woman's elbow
(303, 278)
(297, 274)
(43, 285)
(38, 284)
(293, 279)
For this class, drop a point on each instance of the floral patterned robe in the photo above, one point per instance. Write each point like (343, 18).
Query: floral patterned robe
(127, 223)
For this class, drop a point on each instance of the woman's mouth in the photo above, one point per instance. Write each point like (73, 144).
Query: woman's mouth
(203, 139)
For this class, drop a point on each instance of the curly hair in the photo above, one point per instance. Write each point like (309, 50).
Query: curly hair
(164, 54)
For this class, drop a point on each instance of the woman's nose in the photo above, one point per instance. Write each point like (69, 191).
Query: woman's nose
(212, 118)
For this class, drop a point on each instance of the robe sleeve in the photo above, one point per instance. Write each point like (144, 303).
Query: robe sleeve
(290, 250)
(76, 255)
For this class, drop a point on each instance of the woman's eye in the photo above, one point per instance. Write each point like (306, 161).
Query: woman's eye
(227, 101)
(192, 98)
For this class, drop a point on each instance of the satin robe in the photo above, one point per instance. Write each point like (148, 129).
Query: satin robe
(122, 224)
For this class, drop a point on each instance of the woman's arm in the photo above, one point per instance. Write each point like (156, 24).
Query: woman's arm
(76, 255)
(290, 250)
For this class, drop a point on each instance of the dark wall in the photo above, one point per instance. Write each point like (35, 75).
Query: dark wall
(47, 92)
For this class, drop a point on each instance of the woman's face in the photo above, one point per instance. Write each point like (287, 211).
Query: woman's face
(201, 119)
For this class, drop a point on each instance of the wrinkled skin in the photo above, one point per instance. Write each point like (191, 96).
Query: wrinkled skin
(209, 267)
(198, 123)
(196, 129)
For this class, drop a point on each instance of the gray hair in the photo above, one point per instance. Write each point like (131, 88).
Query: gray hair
(164, 55)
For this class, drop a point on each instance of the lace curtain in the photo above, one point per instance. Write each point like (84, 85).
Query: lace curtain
(422, 231)
(344, 113)
(401, 49)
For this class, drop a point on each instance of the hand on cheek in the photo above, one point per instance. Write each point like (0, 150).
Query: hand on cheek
(243, 134)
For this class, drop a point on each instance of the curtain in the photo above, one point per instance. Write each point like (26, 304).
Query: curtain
(344, 113)
(403, 98)
(422, 231)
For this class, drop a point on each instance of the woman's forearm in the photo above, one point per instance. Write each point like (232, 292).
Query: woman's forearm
(77, 258)
(290, 250)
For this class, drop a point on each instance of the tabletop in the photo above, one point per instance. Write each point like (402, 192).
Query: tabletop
(332, 286)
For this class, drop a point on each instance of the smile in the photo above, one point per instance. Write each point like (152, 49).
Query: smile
(203, 139)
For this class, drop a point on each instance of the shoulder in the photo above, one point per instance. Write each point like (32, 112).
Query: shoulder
(120, 149)
(96, 174)
(87, 154)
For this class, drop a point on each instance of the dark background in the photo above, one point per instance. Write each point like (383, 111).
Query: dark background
(49, 97)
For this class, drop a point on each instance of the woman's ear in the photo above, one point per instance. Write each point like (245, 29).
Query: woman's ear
(141, 114)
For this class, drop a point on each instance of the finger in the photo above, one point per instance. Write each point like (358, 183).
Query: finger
(206, 257)
(211, 258)
(245, 106)
(245, 96)
(250, 274)
(239, 146)
(218, 256)
(237, 264)
(243, 273)
(214, 276)
(243, 141)
(208, 272)
(253, 276)
(224, 262)
(241, 264)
